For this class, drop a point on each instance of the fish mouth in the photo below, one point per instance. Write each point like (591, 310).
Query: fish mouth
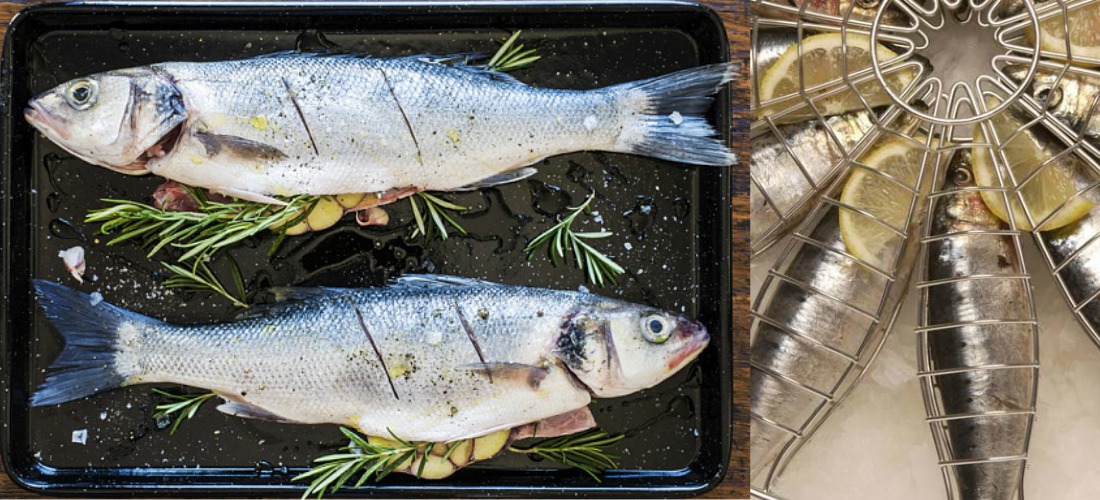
(699, 338)
(46, 122)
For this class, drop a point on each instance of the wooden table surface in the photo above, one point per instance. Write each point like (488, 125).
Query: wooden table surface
(735, 484)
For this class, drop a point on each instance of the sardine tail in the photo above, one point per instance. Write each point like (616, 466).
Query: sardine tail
(672, 124)
(88, 363)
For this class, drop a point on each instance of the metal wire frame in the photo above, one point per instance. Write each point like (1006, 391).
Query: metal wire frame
(881, 317)
(1046, 12)
(1076, 144)
(780, 9)
(975, 6)
(805, 103)
(846, 82)
(936, 415)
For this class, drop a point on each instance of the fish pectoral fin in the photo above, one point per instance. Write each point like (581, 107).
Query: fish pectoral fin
(250, 196)
(246, 410)
(499, 179)
(247, 149)
(528, 375)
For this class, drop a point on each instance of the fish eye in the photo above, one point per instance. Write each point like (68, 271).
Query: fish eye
(81, 94)
(962, 176)
(655, 329)
(1049, 96)
(867, 4)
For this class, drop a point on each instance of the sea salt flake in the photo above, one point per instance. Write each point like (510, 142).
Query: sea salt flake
(80, 436)
(676, 118)
(590, 123)
(95, 298)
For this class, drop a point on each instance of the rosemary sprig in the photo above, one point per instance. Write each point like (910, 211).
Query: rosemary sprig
(436, 209)
(184, 405)
(200, 234)
(561, 239)
(587, 452)
(199, 278)
(510, 57)
(331, 472)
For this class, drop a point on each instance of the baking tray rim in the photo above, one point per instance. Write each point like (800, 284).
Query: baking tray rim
(725, 286)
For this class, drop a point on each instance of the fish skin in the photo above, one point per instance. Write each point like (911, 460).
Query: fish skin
(1074, 96)
(305, 124)
(814, 361)
(957, 250)
(1081, 275)
(775, 171)
(310, 359)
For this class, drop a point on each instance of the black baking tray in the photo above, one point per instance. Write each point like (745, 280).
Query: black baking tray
(671, 225)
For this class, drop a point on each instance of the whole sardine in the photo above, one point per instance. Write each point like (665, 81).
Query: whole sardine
(1070, 99)
(979, 343)
(818, 321)
(292, 124)
(784, 180)
(433, 358)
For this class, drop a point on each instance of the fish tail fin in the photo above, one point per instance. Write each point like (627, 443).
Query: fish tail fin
(88, 363)
(671, 122)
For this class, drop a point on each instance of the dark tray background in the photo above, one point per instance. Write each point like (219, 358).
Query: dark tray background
(678, 432)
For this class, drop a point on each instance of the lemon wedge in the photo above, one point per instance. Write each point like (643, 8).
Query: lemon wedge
(1043, 194)
(887, 200)
(1084, 34)
(822, 61)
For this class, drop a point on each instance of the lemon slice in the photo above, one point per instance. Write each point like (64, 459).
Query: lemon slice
(877, 195)
(822, 61)
(1043, 194)
(1084, 33)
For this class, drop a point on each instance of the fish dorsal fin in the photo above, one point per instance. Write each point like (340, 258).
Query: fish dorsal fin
(499, 179)
(285, 298)
(437, 281)
(491, 74)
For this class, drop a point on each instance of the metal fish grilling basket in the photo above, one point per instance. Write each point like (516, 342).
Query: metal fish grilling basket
(997, 98)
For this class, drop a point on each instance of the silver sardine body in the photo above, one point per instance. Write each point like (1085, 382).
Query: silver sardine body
(978, 342)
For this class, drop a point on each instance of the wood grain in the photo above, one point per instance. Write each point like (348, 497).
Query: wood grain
(735, 485)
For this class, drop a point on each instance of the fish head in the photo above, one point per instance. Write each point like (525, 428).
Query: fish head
(1067, 96)
(616, 348)
(119, 119)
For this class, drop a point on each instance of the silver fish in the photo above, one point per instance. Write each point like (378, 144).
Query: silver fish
(978, 342)
(785, 181)
(304, 124)
(1075, 255)
(1070, 99)
(434, 358)
(818, 321)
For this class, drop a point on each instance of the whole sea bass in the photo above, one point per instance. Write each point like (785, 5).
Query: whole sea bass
(435, 358)
(292, 123)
